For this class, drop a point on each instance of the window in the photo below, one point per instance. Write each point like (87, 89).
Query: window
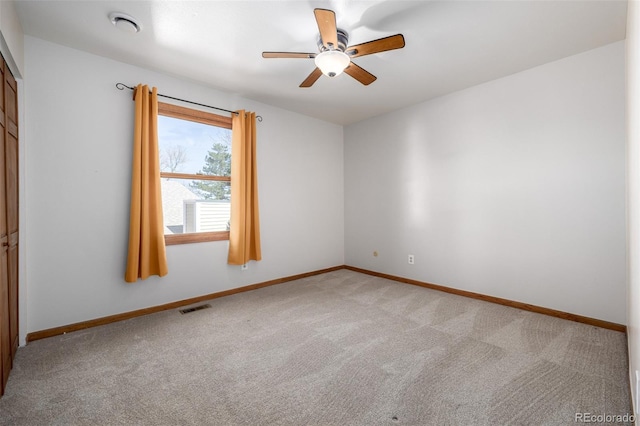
(195, 164)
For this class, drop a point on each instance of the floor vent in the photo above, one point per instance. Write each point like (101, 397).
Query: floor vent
(195, 308)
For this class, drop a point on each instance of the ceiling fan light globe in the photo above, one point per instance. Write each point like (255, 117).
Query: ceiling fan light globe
(332, 62)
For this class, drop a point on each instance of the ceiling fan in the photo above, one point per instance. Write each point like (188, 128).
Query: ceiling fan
(335, 56)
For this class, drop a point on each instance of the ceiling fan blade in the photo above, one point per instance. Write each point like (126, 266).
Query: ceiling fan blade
(375, 46)
(315, 75)
(288, 55)
(360, 74)
(328, 29)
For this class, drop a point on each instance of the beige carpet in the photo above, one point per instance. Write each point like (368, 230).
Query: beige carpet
(340, 348)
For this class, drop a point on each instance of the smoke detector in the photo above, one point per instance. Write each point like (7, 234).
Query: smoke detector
(125, 22)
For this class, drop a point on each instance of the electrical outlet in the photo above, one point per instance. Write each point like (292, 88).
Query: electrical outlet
(244, 267)
(411, 259)
(375, 254)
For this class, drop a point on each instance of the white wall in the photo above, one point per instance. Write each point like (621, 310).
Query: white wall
(514, 188)
(11, 38)
(633, 196)
(78, 155)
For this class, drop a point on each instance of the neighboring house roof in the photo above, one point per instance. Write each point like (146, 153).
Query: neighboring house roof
(173, 196)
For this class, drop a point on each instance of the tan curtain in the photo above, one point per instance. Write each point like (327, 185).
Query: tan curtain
(147, 254)
(244, 233)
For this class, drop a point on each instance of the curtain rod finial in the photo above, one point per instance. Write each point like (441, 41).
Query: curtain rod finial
(122, 86)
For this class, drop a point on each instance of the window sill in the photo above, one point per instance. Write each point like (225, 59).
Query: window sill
(200, 237)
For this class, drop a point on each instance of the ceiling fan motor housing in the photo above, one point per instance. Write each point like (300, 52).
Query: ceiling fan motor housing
(343, 41)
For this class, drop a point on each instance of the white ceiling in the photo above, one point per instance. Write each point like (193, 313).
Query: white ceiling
(450, 45)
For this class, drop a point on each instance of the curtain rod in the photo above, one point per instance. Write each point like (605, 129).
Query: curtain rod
(121, 86)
